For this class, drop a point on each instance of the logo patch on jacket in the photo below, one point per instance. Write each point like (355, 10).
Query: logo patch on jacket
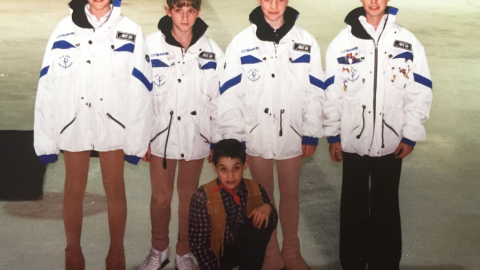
(207, 56)
(126, 36)
(402, 45)
(65, 61)
(159, 80)
(302, 47)
(254, 75)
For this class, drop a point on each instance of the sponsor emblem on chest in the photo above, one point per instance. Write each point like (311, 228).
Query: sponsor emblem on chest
(65, 61)
(159, 80)
(402, 45)
(254, 75)
(207, 56)
(126, 36)
(302, 47)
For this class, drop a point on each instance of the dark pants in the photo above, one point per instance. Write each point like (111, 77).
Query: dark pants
(248, 251)
(370, 230)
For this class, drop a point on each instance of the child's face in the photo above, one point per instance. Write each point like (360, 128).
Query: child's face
(273, 10)
(374, 8)
(230, 171)
(183, 17)
(99, 6)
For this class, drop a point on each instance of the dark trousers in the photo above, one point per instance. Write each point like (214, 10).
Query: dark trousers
(248, 251)
(370, 230)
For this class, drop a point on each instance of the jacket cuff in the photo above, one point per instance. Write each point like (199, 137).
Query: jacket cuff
(244, 144)
(408, 142)
(309, 140)
(132, 159)
(45, 159)
(212, 146)
(334, 139)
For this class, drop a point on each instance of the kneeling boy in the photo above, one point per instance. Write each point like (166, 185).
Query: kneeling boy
(231, 218)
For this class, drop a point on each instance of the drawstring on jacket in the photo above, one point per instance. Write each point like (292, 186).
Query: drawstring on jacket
(363, 116)
(282, 111)
(166, 142)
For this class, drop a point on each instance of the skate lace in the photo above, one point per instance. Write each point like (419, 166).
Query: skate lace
(185, 262)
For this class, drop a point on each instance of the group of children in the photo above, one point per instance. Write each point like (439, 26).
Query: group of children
(174, 99)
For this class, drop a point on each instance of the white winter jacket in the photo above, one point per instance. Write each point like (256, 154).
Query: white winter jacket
(379, 91)
(272, 88)
(185, 93)
(94, 89)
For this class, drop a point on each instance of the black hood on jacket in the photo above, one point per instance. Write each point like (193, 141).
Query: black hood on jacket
(265, 32)
(165, 26)
(78, 15)
(357, 28)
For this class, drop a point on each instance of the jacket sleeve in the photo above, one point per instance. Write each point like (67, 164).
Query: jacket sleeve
(45, 141)
(314, 100)
(214, 96)
(418, 98)
(231, 102)
(200, 230)
(140, 85)
(334, 95)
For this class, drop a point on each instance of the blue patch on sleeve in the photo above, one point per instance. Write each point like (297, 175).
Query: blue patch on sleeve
(248, 59)
(62, 44)
(209, 65)
(44, 71)
(302, 59)
(129, 47)
(423, 81)
(329, 82)
(117, 3)
(318, 83)
(231, 83)
(139, 75)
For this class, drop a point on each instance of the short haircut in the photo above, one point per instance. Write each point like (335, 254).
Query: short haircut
(229, 148)
(196, 4)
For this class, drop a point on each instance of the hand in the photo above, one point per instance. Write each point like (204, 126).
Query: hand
(260, 215)
(209, 158)
(403, 150)
(308, 150)
(147, 156)
(335, 150)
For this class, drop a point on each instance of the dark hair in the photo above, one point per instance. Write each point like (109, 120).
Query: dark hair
(230, 148)
(196, 4)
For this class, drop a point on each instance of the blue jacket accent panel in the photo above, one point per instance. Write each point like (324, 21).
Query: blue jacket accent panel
(44, 71)
(422, 80)
(318, 83)
(231, 83)
(62, 44)
(248, 59)
(302, 59)
(141, 77)
(209, 65)
(129, 47)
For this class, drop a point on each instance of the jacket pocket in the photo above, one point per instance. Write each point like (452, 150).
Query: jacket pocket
(68, 125)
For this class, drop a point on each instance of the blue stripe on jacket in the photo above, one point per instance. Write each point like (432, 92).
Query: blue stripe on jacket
(422, 80)
(248, 59)
(129, 47)
(62, 44)
(209, 65)
(139, 75)
(231, 83)
(318, 83)
(44, 71)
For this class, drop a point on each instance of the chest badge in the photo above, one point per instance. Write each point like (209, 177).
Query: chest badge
(65, 61)
(159, 80)
(302, 47)
(254, 75)
(126, 36)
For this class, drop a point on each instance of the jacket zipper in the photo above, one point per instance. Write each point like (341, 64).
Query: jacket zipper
(363, 125)
(69, 124)
(375, 75)
(115, 120)
(166, 142)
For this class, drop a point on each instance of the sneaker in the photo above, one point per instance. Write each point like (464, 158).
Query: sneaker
(184, 262)
(156, 259)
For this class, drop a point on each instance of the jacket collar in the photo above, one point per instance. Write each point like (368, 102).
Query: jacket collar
(79, 17)
(165, 26)
(265, 32)
(357, 29)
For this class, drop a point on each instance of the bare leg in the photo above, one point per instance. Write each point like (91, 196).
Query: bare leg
(187, 183)
(162, 191)
(288, 174)
(262, 172)
(112, 166)
(76, 167)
